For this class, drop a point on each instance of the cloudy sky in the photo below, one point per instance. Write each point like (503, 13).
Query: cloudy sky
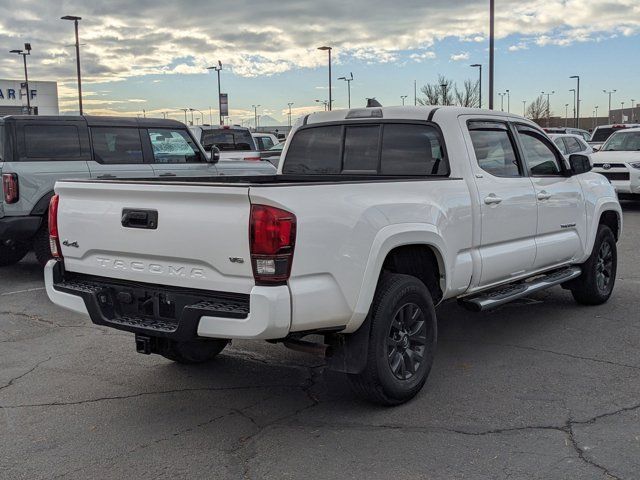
(153, 54)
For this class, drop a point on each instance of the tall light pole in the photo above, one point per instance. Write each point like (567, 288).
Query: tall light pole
(289, 104)
(633, 106)
(508, 92)
(479, 66)
(403, 97)
(217, 68)
(548, 94)
(415, 93)
(622, 113)
(324, 103)
(24, 53)
(566, 114)
(328, 49)
(524, 108)
(255, 117)
(348, 80)
(596, 109)
(491, 50)
(574, 101)
(609, 92)
(185, 110)
(75, 22)
(577, 117)
(501, 95)
(192, 110)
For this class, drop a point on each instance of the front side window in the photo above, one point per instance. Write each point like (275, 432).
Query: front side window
(267, 143)
(539, 156)
(493, 146)
(116, 145)
(52, 141)
(573, 145)
(173, 146)
(228, 140)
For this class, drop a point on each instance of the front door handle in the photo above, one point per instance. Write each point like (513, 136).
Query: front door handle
(543, 195)
(492, 200)
(168, 174)
(106, 176)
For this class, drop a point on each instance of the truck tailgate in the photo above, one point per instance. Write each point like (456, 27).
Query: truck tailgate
(200, 239)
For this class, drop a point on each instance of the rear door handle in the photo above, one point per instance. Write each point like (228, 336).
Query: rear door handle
(492, 200)
(168, 174)
(544, 195)
(106, 176)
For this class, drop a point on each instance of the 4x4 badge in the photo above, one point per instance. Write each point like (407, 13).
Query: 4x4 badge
(66, 243)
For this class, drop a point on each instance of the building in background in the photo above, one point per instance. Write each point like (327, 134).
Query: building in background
(43, 96)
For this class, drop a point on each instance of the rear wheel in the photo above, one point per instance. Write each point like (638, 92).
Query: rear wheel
(198, 351)
(595, 285)
(401, 343)
(41, 245)
(12, 252)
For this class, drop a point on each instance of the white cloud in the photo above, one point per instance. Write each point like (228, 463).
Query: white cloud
(421, 57)
(458, 57)
(518, 46)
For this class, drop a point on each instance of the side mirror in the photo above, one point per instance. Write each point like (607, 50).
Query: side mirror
(595, 149)
(215, 154)
(579, 164)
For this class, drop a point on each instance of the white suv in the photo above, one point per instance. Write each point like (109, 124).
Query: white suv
(619, 161)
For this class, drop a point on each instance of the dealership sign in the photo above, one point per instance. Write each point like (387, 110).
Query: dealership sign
(11, 94)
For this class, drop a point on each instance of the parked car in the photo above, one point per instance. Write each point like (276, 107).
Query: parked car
(273, 154)
(376, 215)
(584, 134)
(36, 151)
(234, 142)
(570, 144)
(265, 141)
(602, 132)
(619, 161)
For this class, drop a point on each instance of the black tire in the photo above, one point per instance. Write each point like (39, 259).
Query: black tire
(595, 285)
(12, 252)
(41, 245)
(402, 342)
(198, 351)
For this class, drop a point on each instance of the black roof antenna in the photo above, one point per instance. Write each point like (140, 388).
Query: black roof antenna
(372, 102)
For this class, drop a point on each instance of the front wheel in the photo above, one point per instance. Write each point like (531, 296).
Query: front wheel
(197, 351)
(402, 342)
(595, 285)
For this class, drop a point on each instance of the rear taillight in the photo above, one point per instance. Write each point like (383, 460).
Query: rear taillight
(54, 238)
(272, 238)
(10, 187)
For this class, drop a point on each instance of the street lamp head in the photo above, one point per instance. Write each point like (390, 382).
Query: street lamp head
(574, 76)
(476, 65)
(324, 48)
(219, 64)
(70, 17)
(19, 52)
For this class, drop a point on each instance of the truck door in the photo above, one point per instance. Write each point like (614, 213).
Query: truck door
(507, 202)
(117, 153)
(175, 154)
(561, 209)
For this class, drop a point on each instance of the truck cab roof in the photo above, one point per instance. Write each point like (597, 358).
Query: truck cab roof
(94, 120)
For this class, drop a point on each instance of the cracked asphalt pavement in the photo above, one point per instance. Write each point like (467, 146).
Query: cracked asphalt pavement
(542, 388)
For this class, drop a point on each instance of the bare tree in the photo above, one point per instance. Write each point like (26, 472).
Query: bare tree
(539, 109)
(440, 93)
(469, 96)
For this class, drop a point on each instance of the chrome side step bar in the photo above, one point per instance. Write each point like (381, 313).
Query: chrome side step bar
(505, 294)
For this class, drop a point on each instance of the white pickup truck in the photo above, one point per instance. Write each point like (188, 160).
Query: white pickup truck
(375, 216)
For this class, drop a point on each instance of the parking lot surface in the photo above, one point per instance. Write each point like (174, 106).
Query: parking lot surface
(542, 388)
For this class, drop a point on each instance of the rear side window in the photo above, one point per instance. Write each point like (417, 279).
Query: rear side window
(385, 149)
(315, 151)
(116, 145)
(560, 144)
(52, 141)
(538, 154)
(228, 140)
(412, 150)
(494, 149)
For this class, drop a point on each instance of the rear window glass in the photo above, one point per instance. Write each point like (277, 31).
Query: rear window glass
(315, 151)
(361, 149)
(116, 145)
(412, 150)
(228, 140)
(52, 141)
(600, 134)
(386, 149)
